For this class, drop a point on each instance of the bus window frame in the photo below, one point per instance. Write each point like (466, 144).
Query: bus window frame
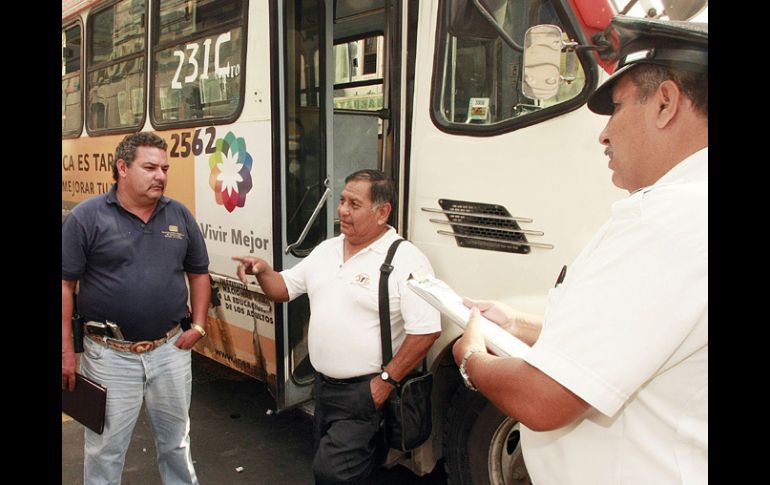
(352, 38)
(588, 62)
(93, 67)
(243, 23)
(66, 26)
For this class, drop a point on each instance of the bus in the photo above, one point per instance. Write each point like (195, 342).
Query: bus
(267, 105)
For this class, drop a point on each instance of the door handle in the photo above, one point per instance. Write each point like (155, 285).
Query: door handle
(312, 219)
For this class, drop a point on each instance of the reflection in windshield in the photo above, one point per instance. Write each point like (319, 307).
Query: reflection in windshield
(654, 8)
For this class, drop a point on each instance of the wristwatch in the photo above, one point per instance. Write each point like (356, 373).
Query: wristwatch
(200, 329)
(464, 373)
(385, 376)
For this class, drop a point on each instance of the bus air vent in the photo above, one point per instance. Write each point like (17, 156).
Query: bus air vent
(485, 226)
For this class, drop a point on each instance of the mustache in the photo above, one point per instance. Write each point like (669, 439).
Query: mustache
(608, 152)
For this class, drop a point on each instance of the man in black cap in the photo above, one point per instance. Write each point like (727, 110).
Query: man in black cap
(615, 386)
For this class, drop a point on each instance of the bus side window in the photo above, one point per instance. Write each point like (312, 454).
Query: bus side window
(198, 59)
(71, 104)
(116, 67)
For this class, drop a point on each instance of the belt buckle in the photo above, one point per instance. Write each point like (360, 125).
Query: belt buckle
(142, 347)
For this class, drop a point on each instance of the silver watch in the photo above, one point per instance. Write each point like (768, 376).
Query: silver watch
(464, 373)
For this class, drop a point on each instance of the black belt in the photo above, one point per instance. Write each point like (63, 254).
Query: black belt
(349, 380)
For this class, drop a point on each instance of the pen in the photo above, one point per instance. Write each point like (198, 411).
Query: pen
(562, 274)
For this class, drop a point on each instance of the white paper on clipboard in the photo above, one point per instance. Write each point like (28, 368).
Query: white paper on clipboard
(445, 300)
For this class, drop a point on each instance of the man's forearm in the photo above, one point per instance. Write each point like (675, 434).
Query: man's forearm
(524, 392)
(271, 281)
(412, 351)
(67, 308)
(200, 296)
(68, 361)
(272, 284)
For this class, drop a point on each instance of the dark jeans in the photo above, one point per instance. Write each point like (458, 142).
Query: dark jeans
(348, 444)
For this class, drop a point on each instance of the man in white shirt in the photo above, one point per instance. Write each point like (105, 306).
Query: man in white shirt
(341, 278)
(615, 387)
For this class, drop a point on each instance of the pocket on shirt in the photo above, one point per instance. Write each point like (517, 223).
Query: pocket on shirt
(368, 298)
(554, 296)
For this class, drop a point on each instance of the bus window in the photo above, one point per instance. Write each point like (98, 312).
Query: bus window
(198, 55)
(479, 76)
(358, 68)
(71, 105)
(116, 67)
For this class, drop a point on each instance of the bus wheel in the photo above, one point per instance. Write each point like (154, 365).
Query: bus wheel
(481, 444)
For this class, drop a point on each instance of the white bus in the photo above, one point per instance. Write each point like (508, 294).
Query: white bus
(267, 106)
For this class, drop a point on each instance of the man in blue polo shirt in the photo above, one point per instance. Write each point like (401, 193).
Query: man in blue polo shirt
(129, 250)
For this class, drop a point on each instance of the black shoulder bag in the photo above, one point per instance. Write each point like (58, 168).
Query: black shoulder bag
(407, 412)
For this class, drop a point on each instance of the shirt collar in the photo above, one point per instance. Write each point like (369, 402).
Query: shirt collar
(112, 195)
(694, 167)
(380, 245)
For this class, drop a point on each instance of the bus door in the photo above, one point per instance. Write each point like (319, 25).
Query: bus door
(329, 118)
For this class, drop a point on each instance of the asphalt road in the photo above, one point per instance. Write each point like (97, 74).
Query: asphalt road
(232, 427)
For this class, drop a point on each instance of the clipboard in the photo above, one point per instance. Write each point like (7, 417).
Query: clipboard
(449, 303)
(86, 404)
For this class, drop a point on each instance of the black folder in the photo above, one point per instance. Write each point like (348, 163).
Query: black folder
(86, 404)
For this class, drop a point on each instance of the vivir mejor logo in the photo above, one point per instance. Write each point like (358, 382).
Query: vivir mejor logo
(230, 172)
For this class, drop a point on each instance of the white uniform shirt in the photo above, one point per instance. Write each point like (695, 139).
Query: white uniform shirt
(344, 334)
(627, 331)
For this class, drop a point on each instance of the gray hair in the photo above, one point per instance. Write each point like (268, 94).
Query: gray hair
(382, 190)
(694, 85)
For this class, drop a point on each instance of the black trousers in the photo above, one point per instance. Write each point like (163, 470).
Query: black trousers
(348, 443)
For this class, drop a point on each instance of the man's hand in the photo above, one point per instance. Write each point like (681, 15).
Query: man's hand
(271, 282)
(494, 311)
(247, 265)
(472, 338)
(380, 391)
(68, 370)
(188, 339)
(524, 326)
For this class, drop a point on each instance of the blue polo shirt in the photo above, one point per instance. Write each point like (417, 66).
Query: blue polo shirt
(130, 272)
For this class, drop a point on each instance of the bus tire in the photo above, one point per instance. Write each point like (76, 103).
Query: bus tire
(481, 444)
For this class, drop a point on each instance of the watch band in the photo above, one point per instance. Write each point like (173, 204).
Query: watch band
(464, 372)
(200, 329)
(385, 376)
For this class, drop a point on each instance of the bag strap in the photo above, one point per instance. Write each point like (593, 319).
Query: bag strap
(385, 270)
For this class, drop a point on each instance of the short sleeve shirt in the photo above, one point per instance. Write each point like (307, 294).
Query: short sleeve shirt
(131, 272)
(627, 331)
(344, 334)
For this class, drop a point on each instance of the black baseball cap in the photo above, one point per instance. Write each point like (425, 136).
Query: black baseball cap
(676, 44)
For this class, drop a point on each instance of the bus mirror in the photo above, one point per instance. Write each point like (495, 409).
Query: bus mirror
(542, 61)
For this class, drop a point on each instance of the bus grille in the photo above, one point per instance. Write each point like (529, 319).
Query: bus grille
(485, 226)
